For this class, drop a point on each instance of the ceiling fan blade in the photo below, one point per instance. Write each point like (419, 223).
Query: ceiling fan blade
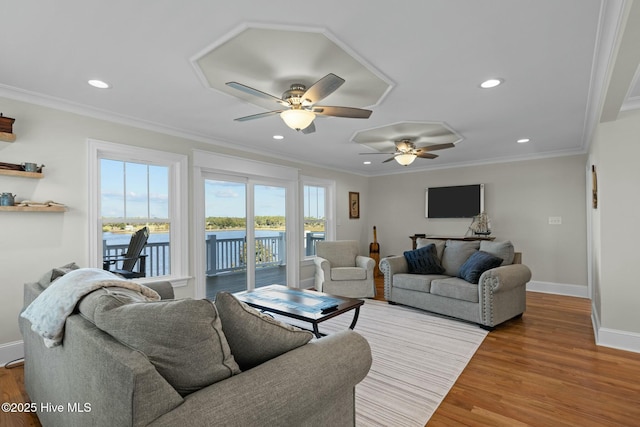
(258, 116)
(437, 147)
(426, 155)
(389, 159)
(323, 88)
(376, 153)
(256, 92)
(351, 112)
(309, 129)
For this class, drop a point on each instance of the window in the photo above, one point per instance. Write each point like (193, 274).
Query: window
(132, 193)
(317, 213)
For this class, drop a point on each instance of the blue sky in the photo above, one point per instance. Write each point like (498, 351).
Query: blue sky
(223, 198)
(146, 189)
(147, 194)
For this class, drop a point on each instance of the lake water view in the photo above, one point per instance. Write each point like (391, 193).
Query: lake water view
(124, 238)
(223, 254)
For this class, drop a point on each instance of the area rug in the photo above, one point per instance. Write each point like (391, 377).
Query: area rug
(417, 358)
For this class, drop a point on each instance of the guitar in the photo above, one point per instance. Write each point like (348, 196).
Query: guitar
(374, 252)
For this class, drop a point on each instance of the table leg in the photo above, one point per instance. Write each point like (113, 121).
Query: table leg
(316, 332)
(319, 334)
(355, 318)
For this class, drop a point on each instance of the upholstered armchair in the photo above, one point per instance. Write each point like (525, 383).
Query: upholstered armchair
(341, 271)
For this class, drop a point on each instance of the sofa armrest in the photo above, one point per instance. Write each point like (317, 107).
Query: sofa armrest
(307, 383)
(323, 272)
(505, 278)
(390, 266)
(365, 262)
(502, 293)
(394, 265)
(164, 289)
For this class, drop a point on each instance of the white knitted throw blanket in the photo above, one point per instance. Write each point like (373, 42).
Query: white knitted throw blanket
(49, 311)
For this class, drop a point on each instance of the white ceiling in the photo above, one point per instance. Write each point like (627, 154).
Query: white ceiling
(433, 53)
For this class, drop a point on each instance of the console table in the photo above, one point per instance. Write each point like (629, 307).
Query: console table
(415, 237)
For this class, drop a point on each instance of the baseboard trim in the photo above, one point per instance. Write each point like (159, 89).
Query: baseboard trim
(614, 338)
(559, 289)
(307, 283)
(11, 351)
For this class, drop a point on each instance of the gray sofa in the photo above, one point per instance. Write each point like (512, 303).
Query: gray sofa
(498, 295)
(101, 381)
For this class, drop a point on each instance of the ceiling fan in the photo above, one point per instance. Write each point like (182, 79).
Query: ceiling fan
(406, 151)
(299, 103)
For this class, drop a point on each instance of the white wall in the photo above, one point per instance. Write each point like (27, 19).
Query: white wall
(615, 151)
(519, 198)
(33, 243)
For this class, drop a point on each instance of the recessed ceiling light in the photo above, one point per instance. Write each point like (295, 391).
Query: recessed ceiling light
(278, 137)
(488, 84)
(523, 140)
(367, 162)
(99, 84)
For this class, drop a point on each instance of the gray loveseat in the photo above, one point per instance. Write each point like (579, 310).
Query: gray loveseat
(499, 293)
(101, 381)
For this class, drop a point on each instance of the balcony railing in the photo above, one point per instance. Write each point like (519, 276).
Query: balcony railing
(222, 255)
(225, 255)
(158, 256)
(310, 242)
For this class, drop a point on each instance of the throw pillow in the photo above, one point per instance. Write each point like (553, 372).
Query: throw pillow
(55, 273)
(502, 250)
(182, 338)
(456, 252)
(254, 337)
(422, 241)
(88, 304)
(477, 264)
(424, 260)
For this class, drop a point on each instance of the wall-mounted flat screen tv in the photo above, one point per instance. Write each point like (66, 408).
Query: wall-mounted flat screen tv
(461, 201)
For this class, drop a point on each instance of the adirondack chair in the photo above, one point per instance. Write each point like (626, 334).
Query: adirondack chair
(130, 258)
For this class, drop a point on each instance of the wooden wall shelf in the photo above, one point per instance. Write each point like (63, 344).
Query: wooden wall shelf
(7, 137)
(33, 209)
(9, 172)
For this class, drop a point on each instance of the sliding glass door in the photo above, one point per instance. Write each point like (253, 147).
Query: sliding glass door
(225, 235)
(270, 227)
(245, 234)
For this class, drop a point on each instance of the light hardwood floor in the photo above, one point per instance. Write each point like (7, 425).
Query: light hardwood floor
(541, 370)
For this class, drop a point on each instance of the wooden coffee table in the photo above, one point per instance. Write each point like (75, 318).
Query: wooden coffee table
(301, 304)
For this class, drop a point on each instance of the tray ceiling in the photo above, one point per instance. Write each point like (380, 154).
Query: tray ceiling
(411, 62)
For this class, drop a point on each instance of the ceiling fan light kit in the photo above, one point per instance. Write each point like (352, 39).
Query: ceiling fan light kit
(406, 151)
(297, 119)
(405, 159)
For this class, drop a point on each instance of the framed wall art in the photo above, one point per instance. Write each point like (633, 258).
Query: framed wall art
(354, 205)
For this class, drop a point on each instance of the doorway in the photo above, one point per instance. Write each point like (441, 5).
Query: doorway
(245, 234)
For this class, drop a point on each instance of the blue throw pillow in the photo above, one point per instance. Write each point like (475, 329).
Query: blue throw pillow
(478, 263)
(424, 260)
